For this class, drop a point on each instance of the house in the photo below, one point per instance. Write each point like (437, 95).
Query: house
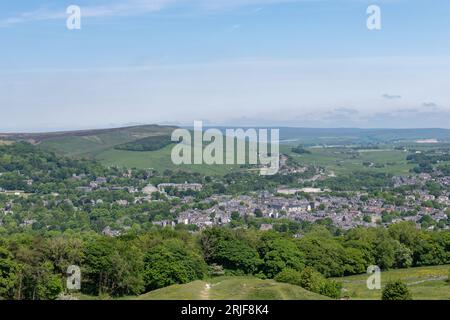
(149, 189)
(122, 203)
(180, 186)
(84, 189)
(266, 227)
(101, 180)
(107, 231)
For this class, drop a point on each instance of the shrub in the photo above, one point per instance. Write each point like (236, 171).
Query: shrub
(396, 290)
(311, 280)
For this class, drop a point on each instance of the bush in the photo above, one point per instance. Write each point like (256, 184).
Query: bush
(311, 280)
(396, 290)
(289, 276)
(331, 288)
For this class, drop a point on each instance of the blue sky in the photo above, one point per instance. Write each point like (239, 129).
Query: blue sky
(241, 62)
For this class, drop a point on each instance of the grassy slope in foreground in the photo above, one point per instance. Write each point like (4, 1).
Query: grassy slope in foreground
(232, 288)
(425, 283)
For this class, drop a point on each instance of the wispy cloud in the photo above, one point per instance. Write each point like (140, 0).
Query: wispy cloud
(135, 7)
(118, 8)
(391, 96)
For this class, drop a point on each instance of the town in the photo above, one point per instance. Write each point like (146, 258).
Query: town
(420, 198)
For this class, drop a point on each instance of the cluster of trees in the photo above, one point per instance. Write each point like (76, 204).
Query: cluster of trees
(33, 266)
(22, 161)
(311, 280)
(425, 161)
(357, 181)
(152, 143)
(300, 150)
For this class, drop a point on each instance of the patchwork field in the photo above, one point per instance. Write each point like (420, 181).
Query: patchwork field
(103, 145)
(343, 160)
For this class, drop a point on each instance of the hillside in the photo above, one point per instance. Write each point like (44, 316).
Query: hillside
(149, 146)
(89, 143)
(144, 147)
(425, 283)
(232, 288)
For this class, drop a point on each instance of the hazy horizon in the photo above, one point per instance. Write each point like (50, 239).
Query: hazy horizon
(205, 126)
(241, 62)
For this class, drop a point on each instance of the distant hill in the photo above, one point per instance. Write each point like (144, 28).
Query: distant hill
(232, 288)
(89, 143)
(343, 136)
(149, 146)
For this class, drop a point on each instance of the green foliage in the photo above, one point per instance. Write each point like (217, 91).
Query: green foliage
(300, 150)
(152, 143)
(329, 257)
(49, 285)
(396, 290)
(113, 267)
(171, 263)
(9, 270)
(278, 254)
(310, 280)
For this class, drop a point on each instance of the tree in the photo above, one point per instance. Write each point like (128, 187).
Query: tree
(258, 213)
(278, 254)
(385, 252)
(113, 267)
(8, 274)
(172, 263)
(49, 285)
(396, 290)
(237, 255)
(402, 256)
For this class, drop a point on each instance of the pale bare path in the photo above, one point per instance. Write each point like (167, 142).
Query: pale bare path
(204, 294)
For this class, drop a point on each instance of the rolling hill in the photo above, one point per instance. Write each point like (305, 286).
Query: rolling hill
(232, 288)
(425, 283)
(429, 283)
(148, 146)
(143, 147)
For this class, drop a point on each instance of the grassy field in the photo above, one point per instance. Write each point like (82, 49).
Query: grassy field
(343, 160)
(425, 283)
(232, 288)
(159, 160)
(100, 145)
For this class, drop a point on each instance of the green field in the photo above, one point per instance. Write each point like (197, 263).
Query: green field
(340, 159)
(232, 288)
(159, 160)
(343, 160)
(425, 283)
